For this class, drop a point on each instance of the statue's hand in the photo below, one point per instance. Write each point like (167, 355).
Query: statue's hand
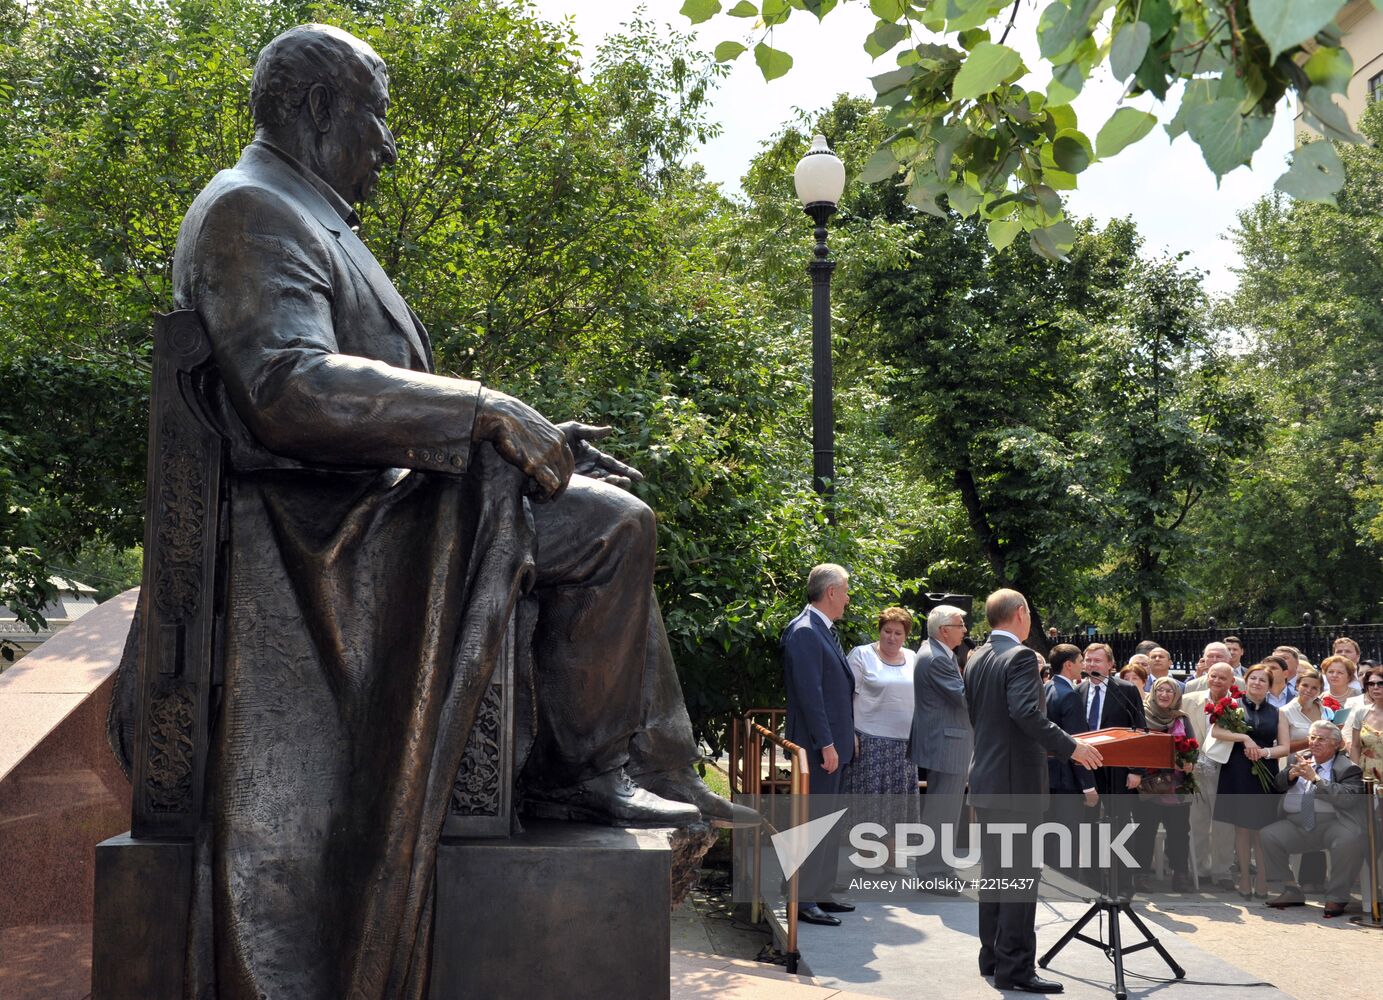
(526, 439)
(591, 461)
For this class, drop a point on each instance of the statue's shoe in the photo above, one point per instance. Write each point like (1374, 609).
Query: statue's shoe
(685, 785)
(611, 799)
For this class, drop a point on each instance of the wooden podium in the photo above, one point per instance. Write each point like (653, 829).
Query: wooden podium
(1132, 748)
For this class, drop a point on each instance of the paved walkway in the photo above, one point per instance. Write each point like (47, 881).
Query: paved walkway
(1307, 956)
(900, 951)
(1230, 950)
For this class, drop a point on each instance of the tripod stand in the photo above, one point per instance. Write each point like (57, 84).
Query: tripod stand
(1112, 903)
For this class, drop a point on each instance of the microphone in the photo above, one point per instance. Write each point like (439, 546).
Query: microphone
(1137, 706)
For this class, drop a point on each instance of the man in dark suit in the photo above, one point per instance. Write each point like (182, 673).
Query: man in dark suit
(1323, 809)
(1072, 787)
(941, 740)
(821, 719)
(1106, 702)
(1008, 785)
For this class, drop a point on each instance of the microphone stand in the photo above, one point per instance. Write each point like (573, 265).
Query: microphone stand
(1111, 903)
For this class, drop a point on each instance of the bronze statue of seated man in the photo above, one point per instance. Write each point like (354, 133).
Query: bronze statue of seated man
(377, 532)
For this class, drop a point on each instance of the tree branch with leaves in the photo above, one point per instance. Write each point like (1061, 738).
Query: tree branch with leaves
(966, 130)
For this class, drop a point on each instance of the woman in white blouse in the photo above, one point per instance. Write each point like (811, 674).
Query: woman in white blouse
(883, 720)
(1294, 719)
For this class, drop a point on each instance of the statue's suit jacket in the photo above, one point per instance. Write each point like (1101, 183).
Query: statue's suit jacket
(942, 739)
(1013, 735)
(366, 600)
(321, 360)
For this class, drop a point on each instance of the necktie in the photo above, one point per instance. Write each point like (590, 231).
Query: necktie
(836, 637)
(1308, 804)
(1092, 719)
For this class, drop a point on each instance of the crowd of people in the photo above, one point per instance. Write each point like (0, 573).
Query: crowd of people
(1265, 798)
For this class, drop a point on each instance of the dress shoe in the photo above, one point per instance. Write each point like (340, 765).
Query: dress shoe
(1290, 895)
(685, 785)
(1335, 909)
(832, 906)
(816, 915)
(1181, 882)
(1033, 985)
(986, 970)
(611, 799)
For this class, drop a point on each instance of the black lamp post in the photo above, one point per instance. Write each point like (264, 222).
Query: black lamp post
(820, 180)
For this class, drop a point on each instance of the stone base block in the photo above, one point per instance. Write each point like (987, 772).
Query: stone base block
(563, 909)
(139, 936)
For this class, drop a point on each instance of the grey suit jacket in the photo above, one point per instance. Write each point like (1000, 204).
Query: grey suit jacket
(1344, 791)
(1013, 735)
(942, 739)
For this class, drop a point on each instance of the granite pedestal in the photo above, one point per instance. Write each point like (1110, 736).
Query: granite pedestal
(563, 909)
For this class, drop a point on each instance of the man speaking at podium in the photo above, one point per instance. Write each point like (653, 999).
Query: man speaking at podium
(1008, 786)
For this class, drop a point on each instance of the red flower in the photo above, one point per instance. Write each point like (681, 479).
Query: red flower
(1234, 691)
(1330, 703)
(1209, 708)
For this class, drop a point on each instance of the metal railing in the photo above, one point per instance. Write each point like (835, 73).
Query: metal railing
(1187, 644)
(761, 785)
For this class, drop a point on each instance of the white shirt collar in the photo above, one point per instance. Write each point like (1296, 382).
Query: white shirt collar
(999, 631)
(820, 614)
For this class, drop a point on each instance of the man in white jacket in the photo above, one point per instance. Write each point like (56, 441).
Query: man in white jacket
(1212, 843)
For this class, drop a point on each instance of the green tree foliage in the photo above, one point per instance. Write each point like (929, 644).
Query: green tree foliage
(1051, 424)
(962, 123)
(933, 319)
(1168, 423)
(1299, 530)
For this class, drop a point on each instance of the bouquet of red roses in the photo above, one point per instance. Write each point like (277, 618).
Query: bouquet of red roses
(1185, 750)
(1329, 707)
(1227, 713)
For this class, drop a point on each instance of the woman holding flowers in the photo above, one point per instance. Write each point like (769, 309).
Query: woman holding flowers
(1164, 797)
(1246, 796)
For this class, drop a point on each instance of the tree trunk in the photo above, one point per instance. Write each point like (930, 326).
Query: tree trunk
(994, 552)
(1037, 638)
(1146, 561)
(979, 524)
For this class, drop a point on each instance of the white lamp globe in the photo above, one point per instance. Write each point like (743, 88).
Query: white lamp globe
(820, 176)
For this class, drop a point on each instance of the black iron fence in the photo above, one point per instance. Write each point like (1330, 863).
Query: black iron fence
(1187, 644)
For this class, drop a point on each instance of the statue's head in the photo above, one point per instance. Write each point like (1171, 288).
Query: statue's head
(320, 94)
